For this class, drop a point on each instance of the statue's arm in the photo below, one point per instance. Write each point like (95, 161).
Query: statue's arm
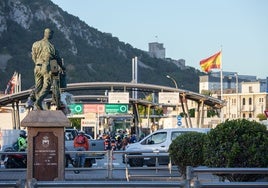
(34, 52)
(59, 60)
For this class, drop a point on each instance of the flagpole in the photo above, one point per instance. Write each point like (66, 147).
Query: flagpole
(221, 85)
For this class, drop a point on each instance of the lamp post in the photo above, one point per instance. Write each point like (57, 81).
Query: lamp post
(174, 81)
(176, 85)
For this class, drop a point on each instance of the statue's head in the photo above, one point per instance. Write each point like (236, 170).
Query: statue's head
(48, 34)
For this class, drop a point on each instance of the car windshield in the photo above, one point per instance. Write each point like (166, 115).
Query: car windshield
(175, 134)
(156, 138)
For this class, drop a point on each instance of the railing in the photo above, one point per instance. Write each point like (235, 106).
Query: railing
(17, 184)
(94, 154)
(157, 167)
(110, 167)
(110, 184)
(192, 176)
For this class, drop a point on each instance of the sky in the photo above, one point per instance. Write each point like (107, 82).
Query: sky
(189, 29)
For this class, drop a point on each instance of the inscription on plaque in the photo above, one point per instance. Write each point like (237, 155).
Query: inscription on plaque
(45, 156)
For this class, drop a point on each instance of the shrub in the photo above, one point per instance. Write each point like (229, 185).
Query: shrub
(262, 117)
(237, 143)
(187, 150)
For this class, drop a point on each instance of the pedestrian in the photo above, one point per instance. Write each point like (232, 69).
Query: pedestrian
(44, 55)
(22, 141)
(107, 142)
(81, 143)
(125, 142)
(133, 138)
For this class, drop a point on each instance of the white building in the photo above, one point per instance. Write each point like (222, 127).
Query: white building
(245, 96)
(247, 104)
(231, 80)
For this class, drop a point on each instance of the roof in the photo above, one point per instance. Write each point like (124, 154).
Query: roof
(93, 89)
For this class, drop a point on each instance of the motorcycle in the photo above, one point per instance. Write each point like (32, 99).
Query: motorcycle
(14, 160)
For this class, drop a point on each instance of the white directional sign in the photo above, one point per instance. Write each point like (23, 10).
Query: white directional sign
(88, 122)
(118, 97)
(171, 98)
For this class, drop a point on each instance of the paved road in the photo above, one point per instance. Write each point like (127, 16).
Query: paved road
(100, 176)
(100, 171)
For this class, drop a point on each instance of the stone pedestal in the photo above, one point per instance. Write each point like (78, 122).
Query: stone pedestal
(46, 148)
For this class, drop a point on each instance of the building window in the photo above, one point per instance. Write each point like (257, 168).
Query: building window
(250, 89)
(250, 115)
(261, 100)
(250, 101)
(244, 115)
(233, 101)
(244, 101)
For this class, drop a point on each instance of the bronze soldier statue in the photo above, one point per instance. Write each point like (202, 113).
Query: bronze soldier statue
(44, 56)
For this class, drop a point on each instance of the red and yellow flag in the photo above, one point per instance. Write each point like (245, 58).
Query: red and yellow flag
(213, 62)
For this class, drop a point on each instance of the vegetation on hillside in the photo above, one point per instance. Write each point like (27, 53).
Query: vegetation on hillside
(89, 55)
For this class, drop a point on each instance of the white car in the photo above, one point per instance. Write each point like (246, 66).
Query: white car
(157, 142)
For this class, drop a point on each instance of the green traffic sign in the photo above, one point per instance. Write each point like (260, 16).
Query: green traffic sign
(76, 108)
(116, 108)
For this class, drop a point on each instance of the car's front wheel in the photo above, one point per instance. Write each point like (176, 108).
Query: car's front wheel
(88, 163)
(135, 162)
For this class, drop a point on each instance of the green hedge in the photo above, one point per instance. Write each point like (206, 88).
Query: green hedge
(237, 143)
(187, 150)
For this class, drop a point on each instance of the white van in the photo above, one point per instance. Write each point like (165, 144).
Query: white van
(156, 142)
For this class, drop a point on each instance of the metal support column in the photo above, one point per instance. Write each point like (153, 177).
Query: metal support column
(183, 109)
(17, 111)
(136, 117)
(202, 113)
(197, 112)
(13, 116)
(187, 111)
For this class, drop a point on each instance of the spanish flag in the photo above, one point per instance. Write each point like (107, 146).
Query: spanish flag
(213, 62)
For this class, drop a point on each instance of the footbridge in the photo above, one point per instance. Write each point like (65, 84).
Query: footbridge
(96, 92)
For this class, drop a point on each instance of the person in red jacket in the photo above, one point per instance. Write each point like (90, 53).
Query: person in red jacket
(81, 143)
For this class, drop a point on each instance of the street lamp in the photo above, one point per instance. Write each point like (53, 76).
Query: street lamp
(176, 85)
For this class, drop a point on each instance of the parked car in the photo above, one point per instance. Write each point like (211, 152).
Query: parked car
(157, 142)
